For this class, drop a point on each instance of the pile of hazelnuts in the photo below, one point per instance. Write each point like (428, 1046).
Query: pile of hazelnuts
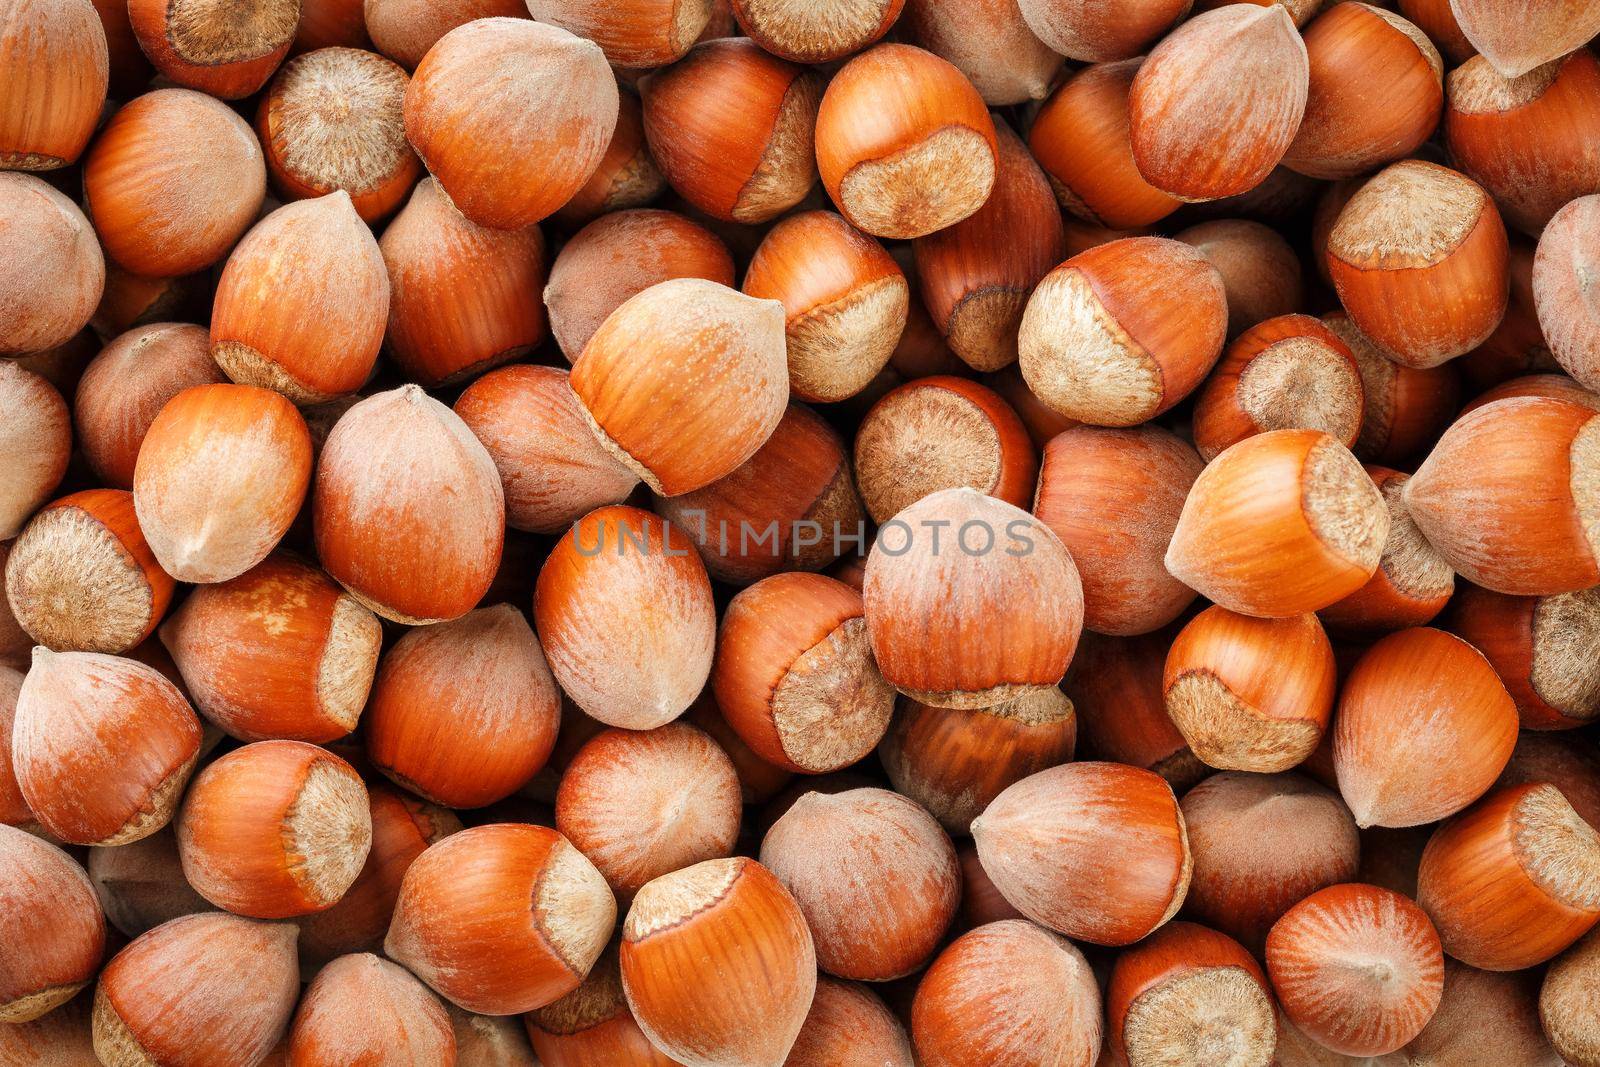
(503, 566)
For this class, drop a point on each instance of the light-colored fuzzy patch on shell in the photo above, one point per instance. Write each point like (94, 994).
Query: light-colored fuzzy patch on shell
(1476, 88)
(1411, 215)
(1230, 734)
(672, 899)
(831, 707)
(35, 438)
(1343, 506)
(327, 832)
(1411, 564)
(836, 349)
(250, 366)
(27, 1008)
(1080, 361)
(214, 32)
(983, 326)
(1044, 707)
(810, 32)
(976, 699)
(349, 660)
(1301, 383)
(1218, 1016)
(1584, 457)
(1566, 669)
(73, 586)
(923, 188)
(337, 117)
(788, 166)
(114, 1044)
(234, 981)
(158, 811)
(918, 441)
(574, 908)
(47, 237)
(1557, 848)
(598, 999)
(1566, 1004)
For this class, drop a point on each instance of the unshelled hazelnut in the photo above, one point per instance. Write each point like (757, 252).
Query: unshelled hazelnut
(1100, 32)
(718, 965)
(988, 41)
(47, 237)
(1096, 851)
(1403, 408)
(56, 67)
(501, 919)
(1117, 692)
(905, 144)
(1538, 646)
(409, 512)
(634, 33)
(226, 52)
(592, 1025)
(404, 30)
(628, 175)
(629, 566)
(1007, 992)
(38, 432)
(819, 32)
(511, 117)
(1517, 38)
(102, 746)
(1412, 583)
(81, 578)
(1261, 273)
(362, 1007)
(220, 476)
(52, 932)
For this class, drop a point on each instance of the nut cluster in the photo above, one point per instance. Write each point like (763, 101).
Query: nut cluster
(799, 533)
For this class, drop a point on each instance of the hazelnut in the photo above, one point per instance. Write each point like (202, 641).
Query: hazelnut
(331, 120)
(1096, 851)
(628, 176)
(302, 302)
(1566, 1006)
(224, 51)
(844, 298)
(102, 746)
(874, 875)
(1564, 760)
(37, 433)
(1080, 138)
(1508, 497)
(1261, 843)
(849, 1023)
(409, 512)
(52, 934)
(930, 609)
(81, 578)
(718, 965)
(361, 1007)
(404, 30)
(685, 381)
(1218, 102)
(1438, 21)
(1098, 342)
(987, 40)
(592, 1025)
(1250, 694)
(512, 117)
(501, 919)
(1117, 692)
(731, 127)
(1512, 881)
(1404, 408)
(223, 1010)
(1412, 583)
(620, 255)
(647, 664)
(955, 762)
(1260, 272)
(221, 474)
(794, 674)
(274, 830)
(634, 33)
(1099, 32)
(1190, 995)
(55, 66)
(1351, 48)
(904, 143)
(1424, 727)
(1357, 968)
(128, 384)
(941, 433)
(1560, 287)
(816, 33)
(279, 652)
(463, 298)
(791, 506)
(1484, 1015)
(1517, 38)
(642, 804)
(1418, 257)
(1007, 992)
(46, 237)
(1538, 646)
(464, 712)
(1280, 524)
